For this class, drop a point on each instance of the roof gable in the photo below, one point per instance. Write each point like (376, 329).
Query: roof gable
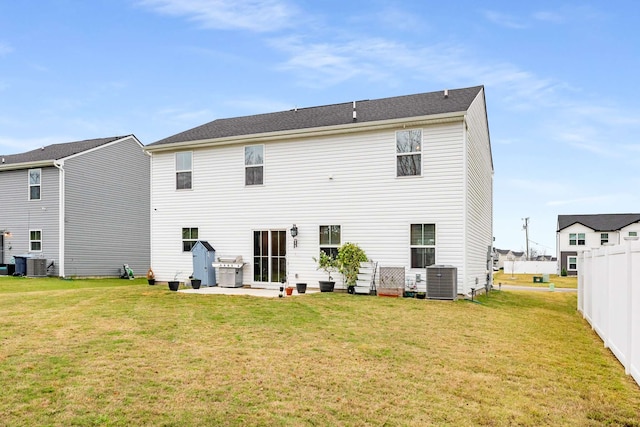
(598, 222)
(424, 104)
(56, 151)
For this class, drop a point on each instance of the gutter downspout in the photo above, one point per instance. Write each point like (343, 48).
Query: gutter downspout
(61, 213)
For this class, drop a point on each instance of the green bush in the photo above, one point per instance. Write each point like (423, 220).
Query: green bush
(350, 255)
(563, 272)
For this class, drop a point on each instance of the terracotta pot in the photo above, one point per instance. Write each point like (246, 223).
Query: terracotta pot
(289, 291)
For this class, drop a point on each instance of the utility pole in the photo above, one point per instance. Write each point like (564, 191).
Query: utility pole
(525, 227)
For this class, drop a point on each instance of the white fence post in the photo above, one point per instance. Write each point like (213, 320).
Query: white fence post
(630, 329)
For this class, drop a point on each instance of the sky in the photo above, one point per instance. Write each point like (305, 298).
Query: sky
(561, 80)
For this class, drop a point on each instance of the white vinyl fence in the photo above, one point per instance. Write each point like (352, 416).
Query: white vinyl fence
(531, 267)
(609, 299)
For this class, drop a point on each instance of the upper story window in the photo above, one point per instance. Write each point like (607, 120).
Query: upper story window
(254, 165)
(330, 237)
(576, 239)
(633, 234)
(35, 240)
(189, 238)
(423, 245)
(35, 176)
(184, 170)
(408, 154)
(604, 238)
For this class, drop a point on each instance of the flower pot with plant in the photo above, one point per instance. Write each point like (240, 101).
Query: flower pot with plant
(328, 264)
(151, 277)
(350, 255)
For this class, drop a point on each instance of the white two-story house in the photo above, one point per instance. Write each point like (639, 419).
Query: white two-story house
(409, 179)
(577, 233)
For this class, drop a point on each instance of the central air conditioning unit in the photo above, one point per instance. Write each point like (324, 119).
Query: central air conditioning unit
(442, 282)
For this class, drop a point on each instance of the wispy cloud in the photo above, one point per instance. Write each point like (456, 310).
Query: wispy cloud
(251, 15)
(12, 145)
(590, 200)
(504, 20)
(547, 16)
(5, 48)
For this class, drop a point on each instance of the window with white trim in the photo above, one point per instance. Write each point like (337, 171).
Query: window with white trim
(330, 238)
(254, 165)
(189, 238)
(35, 240)
(408, 152)
(576, 239)
(184, 170)
(604, 238)
(35, 176)
(423, 245)
(572, 263)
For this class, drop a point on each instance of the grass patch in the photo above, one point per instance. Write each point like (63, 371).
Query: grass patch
(527, 280)
(133, 354)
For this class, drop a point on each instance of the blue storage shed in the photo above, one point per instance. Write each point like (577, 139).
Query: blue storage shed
(203, 256)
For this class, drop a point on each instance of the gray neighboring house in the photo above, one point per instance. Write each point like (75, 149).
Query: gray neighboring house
(83, 206)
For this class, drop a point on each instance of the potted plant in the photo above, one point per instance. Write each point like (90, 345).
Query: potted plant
(195, 283)
(151, 277)
(350, 255)
(174, 284)
(328, 264)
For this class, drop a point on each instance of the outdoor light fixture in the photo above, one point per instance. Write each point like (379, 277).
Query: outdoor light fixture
(294, 233)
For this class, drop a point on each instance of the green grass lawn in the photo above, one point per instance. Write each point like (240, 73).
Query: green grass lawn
(527, 280)
(122, 353)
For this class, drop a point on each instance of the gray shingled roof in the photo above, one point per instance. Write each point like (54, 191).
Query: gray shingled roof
(599, 222)
(424, 104)
(56, 151)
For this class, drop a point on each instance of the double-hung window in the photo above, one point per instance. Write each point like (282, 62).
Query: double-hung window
(572, 263)
(604, 238)
(35, 240)
(254, 165)
(423, 245)
(576, 239)
(330, 239)
(184, 170)
(189, 238)
(35, 176)
(408, 152)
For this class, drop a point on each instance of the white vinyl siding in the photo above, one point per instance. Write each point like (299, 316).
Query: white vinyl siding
(477, 240)
(312, 182)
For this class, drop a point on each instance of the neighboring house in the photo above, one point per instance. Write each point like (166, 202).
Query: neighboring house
(502, 255)
(409, 179)
(83, 206)
(577, 233)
